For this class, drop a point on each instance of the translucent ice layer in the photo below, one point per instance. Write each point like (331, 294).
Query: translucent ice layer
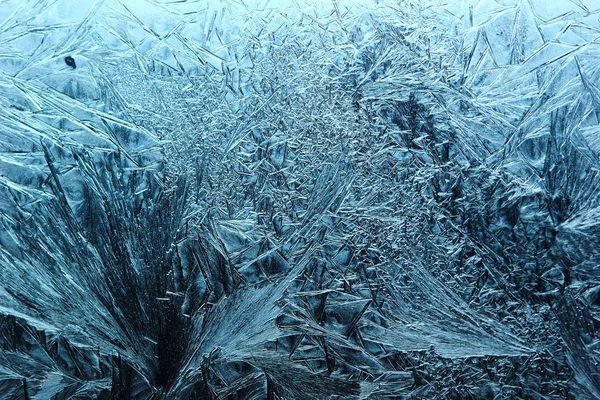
(299, 200)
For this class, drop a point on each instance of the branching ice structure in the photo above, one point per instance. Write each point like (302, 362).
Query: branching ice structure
(288, 200)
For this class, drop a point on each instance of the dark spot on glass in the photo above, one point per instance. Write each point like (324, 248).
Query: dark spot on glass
(70, 61)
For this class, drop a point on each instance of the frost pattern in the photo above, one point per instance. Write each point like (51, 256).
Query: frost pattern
(284, 200)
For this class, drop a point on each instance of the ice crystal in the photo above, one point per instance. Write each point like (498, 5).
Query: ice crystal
(299, 200)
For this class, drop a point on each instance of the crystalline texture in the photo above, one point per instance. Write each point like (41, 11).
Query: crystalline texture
(288, 200)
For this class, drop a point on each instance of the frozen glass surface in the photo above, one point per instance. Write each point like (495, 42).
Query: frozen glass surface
(392, 199)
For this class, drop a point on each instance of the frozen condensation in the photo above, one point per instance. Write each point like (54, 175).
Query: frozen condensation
(394, 199)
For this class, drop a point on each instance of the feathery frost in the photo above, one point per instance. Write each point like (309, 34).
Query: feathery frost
(299, 200)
